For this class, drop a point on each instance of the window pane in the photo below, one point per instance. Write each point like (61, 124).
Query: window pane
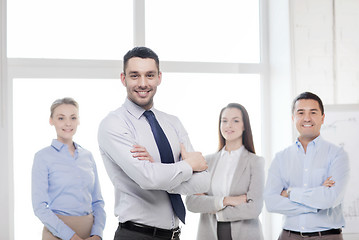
(198, 98)
(204, 30)
(69, 29)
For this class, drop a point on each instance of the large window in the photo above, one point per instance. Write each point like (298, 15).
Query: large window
(209, 53)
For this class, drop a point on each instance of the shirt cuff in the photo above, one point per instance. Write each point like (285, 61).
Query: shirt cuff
(220, 203)
(96, 235)
(219, 216)
(295, 195)
(186, 169)
(67, 234)
(96, 231)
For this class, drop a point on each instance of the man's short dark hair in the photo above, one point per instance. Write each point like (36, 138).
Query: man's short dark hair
(141, 52)
(308, 95)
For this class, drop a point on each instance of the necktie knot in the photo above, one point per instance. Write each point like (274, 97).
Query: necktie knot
(149, 114)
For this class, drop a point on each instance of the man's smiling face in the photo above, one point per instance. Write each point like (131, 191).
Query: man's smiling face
(141, 79)
(308, 119)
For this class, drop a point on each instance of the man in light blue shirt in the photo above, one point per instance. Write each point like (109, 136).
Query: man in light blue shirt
(307, 181)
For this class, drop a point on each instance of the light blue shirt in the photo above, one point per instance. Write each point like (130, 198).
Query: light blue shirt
(141, 186)
(311, 206)
(66, 185)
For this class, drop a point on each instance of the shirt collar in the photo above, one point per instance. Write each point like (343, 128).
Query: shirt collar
(134, 109)
(233, 153)
(59, 145)
(315, 142)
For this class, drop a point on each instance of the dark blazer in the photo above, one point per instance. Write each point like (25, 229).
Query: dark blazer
(249, 179)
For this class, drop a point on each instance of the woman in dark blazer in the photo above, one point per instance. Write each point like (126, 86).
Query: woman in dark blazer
(230, 209)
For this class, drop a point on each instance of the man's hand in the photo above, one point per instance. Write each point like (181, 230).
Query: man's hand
(194, 159)
(141, 153)
(284, 193)
(234, 200)
(328, 182)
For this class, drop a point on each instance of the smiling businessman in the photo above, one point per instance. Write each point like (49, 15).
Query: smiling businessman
(306, 181)
(145, 154)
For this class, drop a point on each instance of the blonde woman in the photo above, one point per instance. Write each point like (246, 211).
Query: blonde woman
(230, 209)
(66, 193)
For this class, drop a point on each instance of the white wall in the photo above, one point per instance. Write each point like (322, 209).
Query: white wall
(326, 50)
(6, 181)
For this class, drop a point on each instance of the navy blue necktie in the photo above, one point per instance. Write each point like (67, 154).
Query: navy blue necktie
(166, 154)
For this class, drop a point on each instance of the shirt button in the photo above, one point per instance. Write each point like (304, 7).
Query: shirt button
(305, 184)
(306, 170)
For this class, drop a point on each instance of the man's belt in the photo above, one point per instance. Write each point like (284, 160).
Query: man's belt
(151, 231)
(316, 234)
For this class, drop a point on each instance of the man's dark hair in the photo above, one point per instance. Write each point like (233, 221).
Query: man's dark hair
(308, 95)
(141, 52)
